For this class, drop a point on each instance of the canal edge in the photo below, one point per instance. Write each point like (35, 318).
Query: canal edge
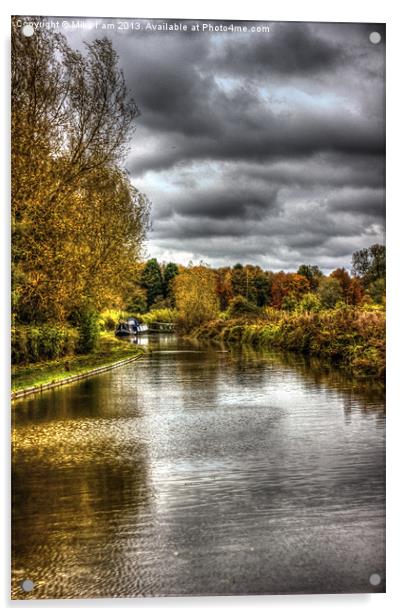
(71, 379)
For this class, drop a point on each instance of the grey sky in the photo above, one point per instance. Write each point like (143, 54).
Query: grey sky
(260, 148)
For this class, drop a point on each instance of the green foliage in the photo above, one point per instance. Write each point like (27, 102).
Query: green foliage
(329, 292)
(309, 303)
(160, 303)
(138, 301)
(152, 282)
(109, 324)
(249, 281)
(33, 344)
(108, 319)
(312, 273)
(262, 285)
(240, 306)
(170, 271)
(50, 341)
(239, 280)
(38, 343)
(19, 345)
(289, 303)
(88, 329)
(162, 315)
(376, 291)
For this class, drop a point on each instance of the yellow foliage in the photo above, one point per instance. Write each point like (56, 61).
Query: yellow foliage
(77, 222)
(196, 296)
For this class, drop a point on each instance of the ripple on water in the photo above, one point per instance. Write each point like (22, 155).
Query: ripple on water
(198, 473)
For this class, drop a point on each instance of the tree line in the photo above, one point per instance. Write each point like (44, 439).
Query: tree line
(200, 292)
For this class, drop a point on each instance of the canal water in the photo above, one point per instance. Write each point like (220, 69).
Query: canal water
(200, 471)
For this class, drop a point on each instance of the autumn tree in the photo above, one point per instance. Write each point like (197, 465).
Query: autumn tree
(196, 296)
(77, 222)
(352, 291)
(224, 287)
(288, 289)
(312, 273)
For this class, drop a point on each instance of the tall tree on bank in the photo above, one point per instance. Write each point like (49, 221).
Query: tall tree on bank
(369, 263)
(170, 271)
(77, 222)
(195, 290)
(352, 290)
(152, 282)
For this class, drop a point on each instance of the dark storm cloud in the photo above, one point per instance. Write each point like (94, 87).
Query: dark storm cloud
(266, 148)
(367, 202)
(267, 137)
(224, 204)
(326, 170)
(318, 221)
(296, 50)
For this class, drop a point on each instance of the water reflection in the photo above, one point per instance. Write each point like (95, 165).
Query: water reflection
(77, 488)
(200, 470)
(320, 375)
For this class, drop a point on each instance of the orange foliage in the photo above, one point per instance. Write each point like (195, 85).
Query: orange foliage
(352, 289)
(285, 285)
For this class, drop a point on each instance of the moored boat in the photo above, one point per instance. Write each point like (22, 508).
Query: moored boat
(131, 327)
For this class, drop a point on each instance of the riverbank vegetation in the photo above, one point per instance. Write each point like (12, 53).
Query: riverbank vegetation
(39, 372)
(339, 317)
(350, 338)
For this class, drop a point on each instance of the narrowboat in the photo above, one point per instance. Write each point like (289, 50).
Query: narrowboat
(131, 327)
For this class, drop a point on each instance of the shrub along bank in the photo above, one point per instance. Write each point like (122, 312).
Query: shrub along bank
(350, 338)
(46, 353)
(109, 350)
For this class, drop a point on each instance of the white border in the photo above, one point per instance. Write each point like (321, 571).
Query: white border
(339, 10)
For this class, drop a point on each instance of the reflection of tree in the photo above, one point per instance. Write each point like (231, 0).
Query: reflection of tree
(198, 369)
(320, 375)
(365, 394)
(93, 397)
(68, 518)
(249, 359)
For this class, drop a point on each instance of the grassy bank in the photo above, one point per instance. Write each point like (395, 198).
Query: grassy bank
(348, 337)
(109, 351)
